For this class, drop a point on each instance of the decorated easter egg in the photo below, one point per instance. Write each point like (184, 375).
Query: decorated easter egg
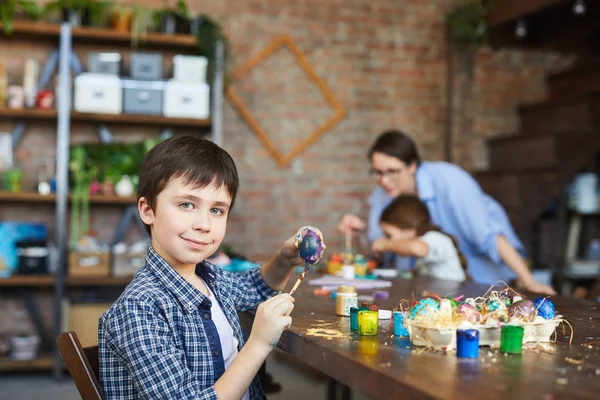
(506, 299)
(310, 244)
(545, 308)
(424, 307)
(469, 312)
(359, 259)
(522, 309)
(495, 305)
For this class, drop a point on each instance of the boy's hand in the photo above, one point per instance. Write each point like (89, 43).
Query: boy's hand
(288, 255)
(272, 317)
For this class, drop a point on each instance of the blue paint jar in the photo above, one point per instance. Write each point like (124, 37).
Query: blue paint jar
(353, 318)
(400, 328)
(467, 343)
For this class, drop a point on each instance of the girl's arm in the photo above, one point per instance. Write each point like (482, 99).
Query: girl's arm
(408, 248)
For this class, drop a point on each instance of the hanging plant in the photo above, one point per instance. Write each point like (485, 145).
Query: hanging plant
(208, 33)
(467, 23)
(9, 8)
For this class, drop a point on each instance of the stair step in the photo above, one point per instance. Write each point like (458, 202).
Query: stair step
(565, 115)
(575, 82)
(533, 152)
(520, 191)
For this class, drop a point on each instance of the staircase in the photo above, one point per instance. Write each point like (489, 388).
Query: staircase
(557, 138)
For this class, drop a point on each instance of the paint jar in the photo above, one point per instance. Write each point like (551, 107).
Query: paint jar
(511, 339)
(346, 298)
(368, 319)
(467, 343)
(400, 328)
(354, 317)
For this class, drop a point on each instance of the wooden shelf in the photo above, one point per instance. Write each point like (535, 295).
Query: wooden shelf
(127, 119)
(49, 281)
(32, 197)
(28, 280)
(132, 119)
(110, 281)
(43, 363)
(104, 36)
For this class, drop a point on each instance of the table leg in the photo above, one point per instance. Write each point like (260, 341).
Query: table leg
(337, 390)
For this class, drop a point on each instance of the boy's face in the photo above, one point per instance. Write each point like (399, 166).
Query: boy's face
(395, 233)
(188, 224)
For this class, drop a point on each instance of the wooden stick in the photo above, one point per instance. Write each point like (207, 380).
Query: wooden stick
(348, 241)
(300, 279)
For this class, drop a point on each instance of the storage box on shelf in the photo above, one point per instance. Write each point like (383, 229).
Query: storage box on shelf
(98, 93)
(83, 264)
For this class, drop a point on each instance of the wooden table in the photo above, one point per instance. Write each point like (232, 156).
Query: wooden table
(387, 367)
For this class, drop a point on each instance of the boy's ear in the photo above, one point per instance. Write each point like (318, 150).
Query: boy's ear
(146, 212)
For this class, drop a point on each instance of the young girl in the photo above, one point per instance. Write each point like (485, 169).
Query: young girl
(410, 232)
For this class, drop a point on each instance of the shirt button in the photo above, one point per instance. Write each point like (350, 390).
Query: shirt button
(206, 315)
(216, 353)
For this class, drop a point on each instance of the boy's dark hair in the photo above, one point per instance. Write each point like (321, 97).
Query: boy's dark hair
(395, 143)
(198, 162)
(409, 212)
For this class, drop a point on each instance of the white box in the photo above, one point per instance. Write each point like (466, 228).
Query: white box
(98, 93)
(186, 100)
(190, 68)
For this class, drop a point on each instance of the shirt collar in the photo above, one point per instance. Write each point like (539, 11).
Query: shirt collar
(189, 297)
(424, 183)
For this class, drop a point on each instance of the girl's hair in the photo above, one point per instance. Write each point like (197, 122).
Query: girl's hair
(408, 212)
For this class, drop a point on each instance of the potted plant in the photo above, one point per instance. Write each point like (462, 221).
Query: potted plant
(9, 8)
(141, 22)
(99, 12)
(173, 19)
(467, 26)
(74, 11)
(208, 33)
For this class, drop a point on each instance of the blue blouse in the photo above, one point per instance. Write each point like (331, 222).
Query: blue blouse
(457, 204)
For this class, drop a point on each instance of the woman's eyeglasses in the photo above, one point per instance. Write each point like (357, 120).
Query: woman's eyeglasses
(388, 172)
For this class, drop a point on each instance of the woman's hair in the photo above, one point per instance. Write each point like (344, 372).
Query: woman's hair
(408, 212)
(397, 144)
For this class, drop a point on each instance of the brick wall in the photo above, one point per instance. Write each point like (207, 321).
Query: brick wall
(385, 62)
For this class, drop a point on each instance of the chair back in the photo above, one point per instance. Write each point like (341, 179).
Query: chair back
(82, 364)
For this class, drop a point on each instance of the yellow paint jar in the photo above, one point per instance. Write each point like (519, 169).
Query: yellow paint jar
(345, 299)
(368, 320)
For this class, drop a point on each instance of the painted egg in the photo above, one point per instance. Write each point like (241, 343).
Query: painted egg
(545, 308)
(359, 259)
(522, 309)
(469, 312)
(506, 299)
(310, 244)
(424, 307)
(495, 305)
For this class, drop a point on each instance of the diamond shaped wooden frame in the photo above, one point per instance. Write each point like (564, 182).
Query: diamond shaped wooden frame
(236, 101)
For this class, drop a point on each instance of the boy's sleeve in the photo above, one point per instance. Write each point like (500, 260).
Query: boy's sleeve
(144, 344)
(247, 290)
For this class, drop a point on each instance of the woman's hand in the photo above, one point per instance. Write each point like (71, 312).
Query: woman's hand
(536, 287)
(352, 223)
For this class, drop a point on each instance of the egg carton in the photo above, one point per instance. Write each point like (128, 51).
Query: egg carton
(445, 338)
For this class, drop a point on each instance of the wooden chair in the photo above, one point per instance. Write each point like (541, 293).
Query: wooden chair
(82, 364)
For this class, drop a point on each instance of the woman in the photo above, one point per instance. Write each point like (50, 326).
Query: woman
(456, 204)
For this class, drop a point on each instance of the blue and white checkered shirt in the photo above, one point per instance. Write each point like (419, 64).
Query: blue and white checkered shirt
(158, 340)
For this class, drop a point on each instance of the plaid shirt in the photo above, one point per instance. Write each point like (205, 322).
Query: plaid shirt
(158, 340)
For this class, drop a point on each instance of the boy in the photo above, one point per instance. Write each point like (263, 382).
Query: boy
(174, 331)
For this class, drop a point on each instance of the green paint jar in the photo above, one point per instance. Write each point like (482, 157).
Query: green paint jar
(511, 339)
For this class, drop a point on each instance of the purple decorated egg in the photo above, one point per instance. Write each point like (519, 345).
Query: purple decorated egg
(469, 312)
(522, 309)
(310, 244)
